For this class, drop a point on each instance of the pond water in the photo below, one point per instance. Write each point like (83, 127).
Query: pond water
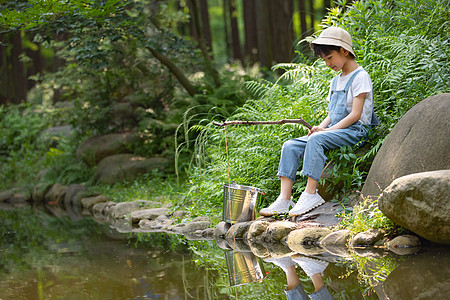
(45, 257)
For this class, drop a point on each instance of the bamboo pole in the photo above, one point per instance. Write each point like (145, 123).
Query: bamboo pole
(283, 121)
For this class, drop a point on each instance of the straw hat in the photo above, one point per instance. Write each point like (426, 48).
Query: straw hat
(335, 36)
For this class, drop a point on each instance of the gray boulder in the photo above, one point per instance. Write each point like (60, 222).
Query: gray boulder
(117, 168)
(424, 276)
(192, 227)
(339, 238)
(221, 229)
(419, 142)
(96, 148)
(15, 195)
(256, 230)
(237, 231)
(56, 193)
(120, 210)
(39, 191)
(420, 202)
(72, 191)
(149, 214)
(91, 201)
(53, 134)
(367, 238)
(306, 240)
(278, 231)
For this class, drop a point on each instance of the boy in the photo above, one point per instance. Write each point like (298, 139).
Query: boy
(350, 114)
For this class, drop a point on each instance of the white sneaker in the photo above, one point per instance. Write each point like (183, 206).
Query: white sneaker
(311, 266)
(283, 262)
(280, 206)
(305, 203)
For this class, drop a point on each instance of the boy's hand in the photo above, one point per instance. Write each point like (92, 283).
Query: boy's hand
(315, 129)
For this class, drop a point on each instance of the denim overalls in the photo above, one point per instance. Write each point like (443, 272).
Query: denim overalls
(312, 149)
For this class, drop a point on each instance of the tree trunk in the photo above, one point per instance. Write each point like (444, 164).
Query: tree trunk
(205, 24)
(235, 42)
(311, 15)
(4, 84)
(303, 26)
(177, 72)
(251, 42)
(281, 14)
(263, 33)
(201, 40)
(226, 26)
(18, 74)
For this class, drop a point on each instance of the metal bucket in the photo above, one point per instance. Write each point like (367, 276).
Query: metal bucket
(243, 267)
(239, 202)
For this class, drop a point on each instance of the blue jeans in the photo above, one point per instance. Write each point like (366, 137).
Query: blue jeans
(312, 150)
(298, 293)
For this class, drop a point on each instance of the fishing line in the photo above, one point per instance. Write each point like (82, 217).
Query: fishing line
(229, 205)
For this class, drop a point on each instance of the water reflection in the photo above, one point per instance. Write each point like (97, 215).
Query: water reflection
(243, 267)
(44, 257)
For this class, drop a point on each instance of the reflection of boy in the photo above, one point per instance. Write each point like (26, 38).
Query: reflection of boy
(350, 114)
(312, 267)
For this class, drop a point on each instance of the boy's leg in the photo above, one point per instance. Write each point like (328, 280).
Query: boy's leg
(320, 142)
(294, 289)
(291, 156)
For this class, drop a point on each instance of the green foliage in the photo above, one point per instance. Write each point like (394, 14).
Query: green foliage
(404, 47)
(364, 216)
(151, 187)
(20, 145)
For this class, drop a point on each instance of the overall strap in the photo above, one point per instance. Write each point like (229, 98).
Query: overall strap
(334, 83)
(350, 81)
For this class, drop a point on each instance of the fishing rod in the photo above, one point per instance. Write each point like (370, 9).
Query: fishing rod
(283, 121)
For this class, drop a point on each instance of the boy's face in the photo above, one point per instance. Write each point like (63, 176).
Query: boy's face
(336, 59)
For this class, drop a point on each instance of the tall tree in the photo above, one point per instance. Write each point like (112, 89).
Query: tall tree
(235, 41)
(201, 40)
(206, 27)
(311, 15)
(302, 10)
(281, 14)
(263, 33)
(251, 41)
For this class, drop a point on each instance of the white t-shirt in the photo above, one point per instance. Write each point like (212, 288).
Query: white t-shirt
(361, 84)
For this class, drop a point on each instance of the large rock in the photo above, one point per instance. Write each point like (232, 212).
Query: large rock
(367, 238)
(149, 214)
(419, 142)
(307, 240)
(122, 209)
(39, 191)
(278, 231)
(121, 167)
(420, 202)
(91, 201)
(56, 193)
(54, 134)
(72, 191)
(424, 276)
(96, 148)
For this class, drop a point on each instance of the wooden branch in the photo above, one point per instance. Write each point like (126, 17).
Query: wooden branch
(177, 72)
(284, 121)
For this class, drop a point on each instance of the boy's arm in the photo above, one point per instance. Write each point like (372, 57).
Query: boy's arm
(353, 116)
(323, 125)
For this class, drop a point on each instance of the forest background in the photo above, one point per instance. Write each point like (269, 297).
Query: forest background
(179, 65)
